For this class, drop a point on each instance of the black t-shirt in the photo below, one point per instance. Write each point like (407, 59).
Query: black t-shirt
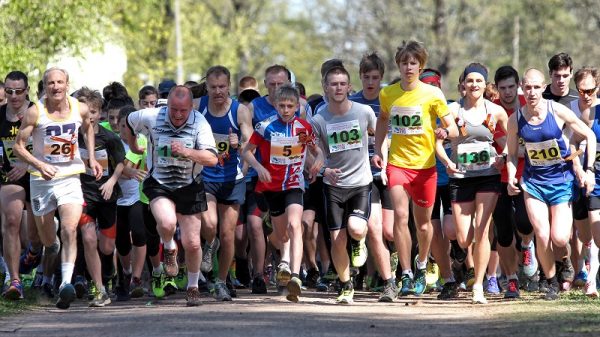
(564, 100)
(109, 153)
(8, 134)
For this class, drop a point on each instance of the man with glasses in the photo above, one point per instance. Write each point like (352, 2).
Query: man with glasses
(2, 94)
(14, 193)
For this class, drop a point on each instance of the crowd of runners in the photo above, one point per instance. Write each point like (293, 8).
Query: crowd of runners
(391, 189)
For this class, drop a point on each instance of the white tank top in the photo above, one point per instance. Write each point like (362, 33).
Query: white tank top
(55, 140)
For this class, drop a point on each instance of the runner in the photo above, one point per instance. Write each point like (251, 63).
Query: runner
(412, 108)
(15, 192)
(224, 183)
(547, 178)
(282, 141)
(98, 220)
(181, 142)
(474, 170)
(342, 128)
(55, 165)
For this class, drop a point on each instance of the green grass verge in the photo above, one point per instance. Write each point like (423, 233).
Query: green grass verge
(30, 301)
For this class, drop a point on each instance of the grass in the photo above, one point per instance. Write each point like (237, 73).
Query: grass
(30, 301)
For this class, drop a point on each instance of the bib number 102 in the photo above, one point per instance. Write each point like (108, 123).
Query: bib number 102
(407, 121)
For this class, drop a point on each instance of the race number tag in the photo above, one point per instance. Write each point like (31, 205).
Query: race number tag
(474, 156)
(60, 149)
(222, 142)
(165, 156)
(407, 120)
(597, 162)
(544, 153)
(285, 151)
(101, 157)
(344, 136)
(521, 152)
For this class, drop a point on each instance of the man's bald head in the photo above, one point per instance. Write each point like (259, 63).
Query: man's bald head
(181, 92)
(533, 74)
(180, 103)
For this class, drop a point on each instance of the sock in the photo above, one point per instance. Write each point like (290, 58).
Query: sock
(170, 245)
(156, 271)
(391, 281)
(200, 277)
(421, 265)
(478, 286)
(127, 271)
(513, 277)
(408, 272)
(526, 246)
(295, 275)
(67, 272)
(193, 279)
(489, 276)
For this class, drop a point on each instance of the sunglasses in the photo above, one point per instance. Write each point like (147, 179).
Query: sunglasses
(10, 91)
(588, 92)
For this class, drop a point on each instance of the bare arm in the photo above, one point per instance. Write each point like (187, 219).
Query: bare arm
(248, 155)
(512, 147)
(27, 126)
(89, 136)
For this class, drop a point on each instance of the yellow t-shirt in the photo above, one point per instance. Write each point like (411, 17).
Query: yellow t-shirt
(412, 116)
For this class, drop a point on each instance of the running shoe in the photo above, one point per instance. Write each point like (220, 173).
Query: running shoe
(312, 278)
(170, 262)
(37, 281)
(181, 280)
(590, 289)
(3, 275)
(221, 292)
(528, 260)
(192, 297)
(284, 274)
(122, 290)
(457, 253)
(48, 290)
(14, 291)
(80, 286)
(543, 282)
(552, 293)
(209, 252)
(100, 299)
(157, 284)
(406, 285)
(420, 283)
(92, 290)
(492, 286)
(449, 291)
(580, 279)
(470, 278)
(346, 295)
(389, 293)
(66, 296)
(169, 285)
(565, 273)
(359, 252)
(28, 260)
(512, 290)
(432, 275)
(258, 285)
(478, 297)
(137, 288)
(294, 288)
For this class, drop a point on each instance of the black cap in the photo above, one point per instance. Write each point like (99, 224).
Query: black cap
(165, 86)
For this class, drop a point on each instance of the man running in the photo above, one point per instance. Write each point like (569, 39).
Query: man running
(55, 165)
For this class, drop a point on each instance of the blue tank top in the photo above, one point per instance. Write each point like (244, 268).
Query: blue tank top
(545, 148)
(596, 129)
(229, 166)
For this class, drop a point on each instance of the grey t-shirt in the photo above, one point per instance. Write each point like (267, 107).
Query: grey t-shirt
(344, 141)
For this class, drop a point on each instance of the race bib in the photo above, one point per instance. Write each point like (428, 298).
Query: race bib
(597, 162)
(165, 156)
(101, 157)
(344, 136)
(407, 120)
(521, 152)
(544, 153)
(9, 149)
(60, 149)
(222, 142)
(285, 151)
(474, 156)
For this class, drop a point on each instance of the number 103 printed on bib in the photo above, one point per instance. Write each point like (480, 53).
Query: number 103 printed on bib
(344, 136)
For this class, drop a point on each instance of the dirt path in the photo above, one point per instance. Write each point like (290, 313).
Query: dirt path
(315, 315)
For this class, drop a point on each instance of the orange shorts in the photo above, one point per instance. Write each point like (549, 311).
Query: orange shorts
(421, 185)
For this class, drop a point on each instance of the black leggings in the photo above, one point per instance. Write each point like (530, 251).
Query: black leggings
(510, 215)
(130, 219)
(152, 237)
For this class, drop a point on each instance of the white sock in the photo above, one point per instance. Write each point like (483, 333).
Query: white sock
(490, 276)
(594, 263)
(170, 245)
(156, 271)
(408, 272)
(421, 264)
(127, 271)
(193, 279)
(67, 272)
(201, 278)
